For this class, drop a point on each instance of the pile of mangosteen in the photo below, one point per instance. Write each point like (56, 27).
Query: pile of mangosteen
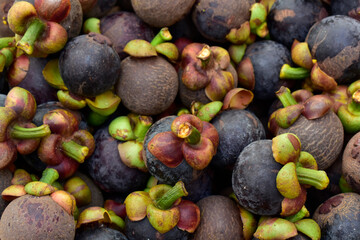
(180, 120)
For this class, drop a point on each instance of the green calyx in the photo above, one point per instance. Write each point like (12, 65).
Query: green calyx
(44, 185)
(91, 25)
(293, 73)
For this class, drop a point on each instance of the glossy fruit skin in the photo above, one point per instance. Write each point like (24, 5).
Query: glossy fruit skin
(292, 19)
(237, 128)
(267, 58)
(253, 179)
(339, 216)
(334, 42)
(156, 168)
(107, 169)
(89, 65)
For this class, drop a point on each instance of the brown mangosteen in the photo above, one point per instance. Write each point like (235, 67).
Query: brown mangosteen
(318, 127)
(162, 13)
(339, 217)
(148, 83)
(220, 219)
(89, 65)
(215, 19)
(32, 217)
(351, 163)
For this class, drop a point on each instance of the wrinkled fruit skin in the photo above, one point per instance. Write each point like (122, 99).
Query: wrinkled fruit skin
(30, 217)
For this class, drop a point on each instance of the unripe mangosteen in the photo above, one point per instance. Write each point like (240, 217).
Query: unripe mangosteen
(107, 169)
(160, 13)
(215, 19)
(33, 217)
(89, 65)
(220, 219)
(147, 86)
(121, 27)
(237, 128)
(334, 43)
(339, 217)
(351, 162)
(260, 68)
(290, 20)
(349, 8)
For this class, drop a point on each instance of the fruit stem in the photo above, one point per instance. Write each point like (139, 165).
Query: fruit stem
(189, 133)
(312, 177)
(18, 132)
(7, 57)
(285, 96)
(293, 73)
(204, 55)
(91, 25)
(141, 127)
(169, 197)
(299, 215)
(75, 150)
(354, 105)
(49, 176)
(35, 29)
(163, 35)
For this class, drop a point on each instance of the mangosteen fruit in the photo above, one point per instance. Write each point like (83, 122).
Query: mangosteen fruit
(163, 150)
(220, 219)
(5, 181)
(259, 70)
(147, 86)
(349, 8)
(318, 127)
(339, 217)
(100, 233)
(107, 169)
(351, 162)
(89, 65)
(33, 217)
(121, 27)
(259, 181)
(237, 128)
(290, 20)
(334, 43)
(215, 19)
(99, 9)
(73, 22)
(160, 13)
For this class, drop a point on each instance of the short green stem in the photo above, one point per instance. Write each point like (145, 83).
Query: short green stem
(189, 133)
(285, 97)
(75, 150)
(7, 42)
(18, 132)
(163, 35)
(49, 176)
(35, 29)
(167, 200)
(354, 105)
(315, 178)
(299, 215)
(294, 73)
(91, 25)
(141, 127)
